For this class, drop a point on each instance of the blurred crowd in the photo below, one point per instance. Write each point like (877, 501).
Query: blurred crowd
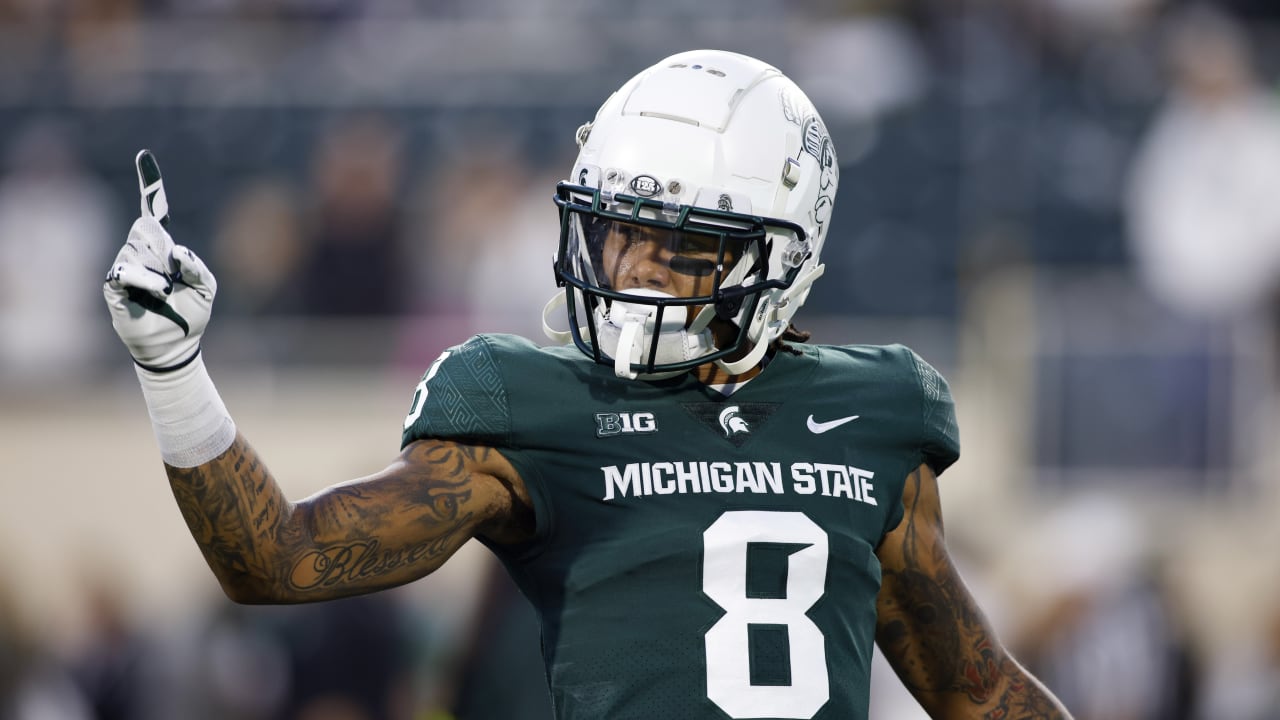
(1093, 179)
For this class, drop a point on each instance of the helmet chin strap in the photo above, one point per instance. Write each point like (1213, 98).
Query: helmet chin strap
(774, 323)
(627, 333)
(626, 330)
(553, 306)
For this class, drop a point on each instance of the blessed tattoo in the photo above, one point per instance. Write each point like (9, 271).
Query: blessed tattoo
(345, 564)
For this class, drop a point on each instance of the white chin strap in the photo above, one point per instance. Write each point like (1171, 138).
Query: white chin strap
(776, 318)
(555, 307)
(626, 334)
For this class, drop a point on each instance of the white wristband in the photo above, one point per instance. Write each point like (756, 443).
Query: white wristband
(192, 425)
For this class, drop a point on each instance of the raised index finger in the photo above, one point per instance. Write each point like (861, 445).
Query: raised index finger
(151, 186)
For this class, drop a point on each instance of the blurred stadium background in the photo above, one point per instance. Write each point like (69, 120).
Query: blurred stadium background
(1071, 207)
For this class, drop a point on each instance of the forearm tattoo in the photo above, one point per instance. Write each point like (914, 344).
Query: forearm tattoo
(229, 507)
(938, 639)
(349, 539)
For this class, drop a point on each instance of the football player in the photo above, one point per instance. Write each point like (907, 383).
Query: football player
(712, 518)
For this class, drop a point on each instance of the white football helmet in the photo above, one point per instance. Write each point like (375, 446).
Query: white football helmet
(724, 166)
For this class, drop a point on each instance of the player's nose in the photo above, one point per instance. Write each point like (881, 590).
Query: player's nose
(650, 266)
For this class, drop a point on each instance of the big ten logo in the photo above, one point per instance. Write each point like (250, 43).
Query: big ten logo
(609, 424)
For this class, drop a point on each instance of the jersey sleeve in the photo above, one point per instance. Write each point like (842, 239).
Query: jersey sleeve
(940, 439)
(462, 396)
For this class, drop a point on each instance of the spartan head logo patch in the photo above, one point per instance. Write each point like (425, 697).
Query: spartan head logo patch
(734, 422)
(731, 421)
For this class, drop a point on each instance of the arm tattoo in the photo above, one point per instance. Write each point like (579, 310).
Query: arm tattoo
(938, 640)
(227, 507)
(351, 563)
(348, 539)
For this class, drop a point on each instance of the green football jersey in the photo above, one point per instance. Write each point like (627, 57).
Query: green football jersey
(696, 555)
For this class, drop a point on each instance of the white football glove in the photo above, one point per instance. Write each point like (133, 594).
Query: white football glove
(160, 294)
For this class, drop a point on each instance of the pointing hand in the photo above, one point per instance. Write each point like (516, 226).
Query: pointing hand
(160, 294)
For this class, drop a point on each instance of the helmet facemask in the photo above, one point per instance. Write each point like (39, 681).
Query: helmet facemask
(622, 258)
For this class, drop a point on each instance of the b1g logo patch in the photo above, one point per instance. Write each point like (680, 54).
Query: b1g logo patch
(609, 424)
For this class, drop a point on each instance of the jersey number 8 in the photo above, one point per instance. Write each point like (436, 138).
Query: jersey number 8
(750, 616)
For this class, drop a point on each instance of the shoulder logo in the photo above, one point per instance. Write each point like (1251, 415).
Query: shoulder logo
(732, 423)
(817, 428)
(609, 424)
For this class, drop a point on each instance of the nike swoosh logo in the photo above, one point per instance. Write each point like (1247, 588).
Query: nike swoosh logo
(159, 307)
(817, 428)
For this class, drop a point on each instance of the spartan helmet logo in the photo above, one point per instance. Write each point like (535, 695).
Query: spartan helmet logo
(730, 423)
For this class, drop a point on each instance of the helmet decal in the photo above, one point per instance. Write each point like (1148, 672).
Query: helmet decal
(645, 186)
(817, 143)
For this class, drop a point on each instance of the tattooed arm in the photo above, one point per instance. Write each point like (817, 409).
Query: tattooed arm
(932, 632)
(368, 534)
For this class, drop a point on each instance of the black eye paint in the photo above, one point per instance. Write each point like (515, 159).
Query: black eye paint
(697, 267)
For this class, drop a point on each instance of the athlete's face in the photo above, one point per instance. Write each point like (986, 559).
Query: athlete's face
(678, 263)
